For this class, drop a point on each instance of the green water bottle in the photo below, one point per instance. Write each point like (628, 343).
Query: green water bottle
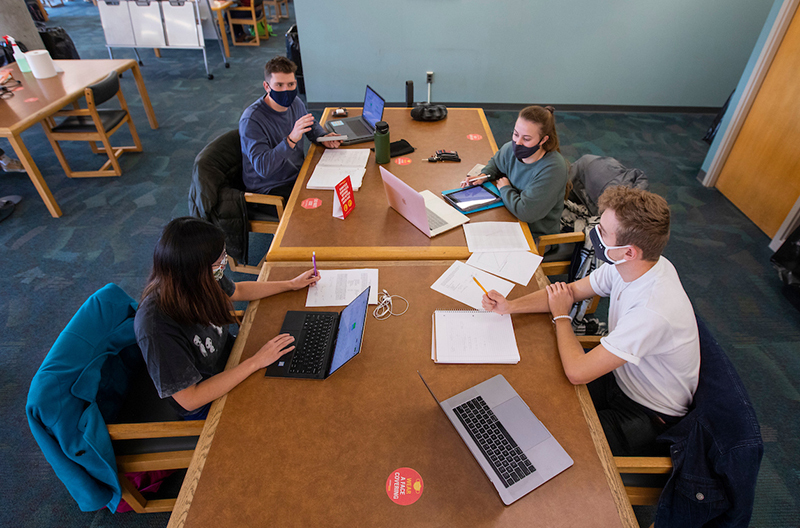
(381, 142)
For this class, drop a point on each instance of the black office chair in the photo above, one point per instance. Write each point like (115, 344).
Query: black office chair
(217, 194)
(95, 126)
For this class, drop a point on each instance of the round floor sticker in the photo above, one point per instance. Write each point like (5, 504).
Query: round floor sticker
(404, 486)
(311, 203)
(474, 137)
(402, 161)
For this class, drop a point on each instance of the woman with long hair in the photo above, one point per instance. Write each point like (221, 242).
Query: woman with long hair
(182, 321)
(530, 172)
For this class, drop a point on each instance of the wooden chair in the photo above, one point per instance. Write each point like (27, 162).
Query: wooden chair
(95, 126)
(251, 15)
(216, 180)
(276, 5)
(95, 413)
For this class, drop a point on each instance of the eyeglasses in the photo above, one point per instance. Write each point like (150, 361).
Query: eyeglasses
(8, 86)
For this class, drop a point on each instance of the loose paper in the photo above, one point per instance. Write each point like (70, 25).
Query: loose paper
(458, 283)
(518, 266)
(340, 287)
(495, 236)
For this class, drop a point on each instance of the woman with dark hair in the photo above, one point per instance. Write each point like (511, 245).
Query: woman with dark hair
(530, 171)
(182, 322)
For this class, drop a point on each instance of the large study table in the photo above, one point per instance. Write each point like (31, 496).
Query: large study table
(41, 98)
(373, 230)
(289, 452)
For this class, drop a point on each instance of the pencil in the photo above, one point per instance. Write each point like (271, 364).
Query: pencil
(481, 285)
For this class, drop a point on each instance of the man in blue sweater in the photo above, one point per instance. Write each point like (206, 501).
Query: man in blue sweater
(272, 131)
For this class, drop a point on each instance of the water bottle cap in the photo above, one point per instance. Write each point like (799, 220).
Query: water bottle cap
(382, 127)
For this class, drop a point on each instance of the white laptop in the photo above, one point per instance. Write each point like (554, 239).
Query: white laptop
(426, 211)
(510, 444)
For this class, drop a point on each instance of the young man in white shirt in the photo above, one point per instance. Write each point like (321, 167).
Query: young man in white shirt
(643, 374)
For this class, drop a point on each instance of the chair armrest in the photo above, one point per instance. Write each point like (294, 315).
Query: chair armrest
(267, 199)
(589, 341)
(65, 113)
(133, 431)
(560, 238)
(653, 465)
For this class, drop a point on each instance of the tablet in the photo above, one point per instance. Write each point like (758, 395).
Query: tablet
(471, 198)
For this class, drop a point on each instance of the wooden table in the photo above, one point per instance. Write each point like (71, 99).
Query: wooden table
(318, 453)
(374, 230)
(41, 98)
(220, 7)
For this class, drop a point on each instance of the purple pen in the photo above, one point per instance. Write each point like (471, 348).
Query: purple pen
(314, 260)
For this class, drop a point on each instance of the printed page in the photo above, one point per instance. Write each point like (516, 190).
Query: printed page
(495, 236)
(518, 266)
(340, 287)
(458, 283)
(344, 158)
(325, 178)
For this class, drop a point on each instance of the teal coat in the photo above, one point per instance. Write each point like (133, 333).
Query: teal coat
(64, 411)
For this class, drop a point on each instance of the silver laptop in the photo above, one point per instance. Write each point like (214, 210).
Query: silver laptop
(426, 211)
(511, 445)
(361, 128)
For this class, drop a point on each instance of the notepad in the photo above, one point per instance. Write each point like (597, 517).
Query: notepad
(473, 336)
(335, 165)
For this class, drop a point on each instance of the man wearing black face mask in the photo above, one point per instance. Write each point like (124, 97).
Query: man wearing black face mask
(272, 130)
(643, 374)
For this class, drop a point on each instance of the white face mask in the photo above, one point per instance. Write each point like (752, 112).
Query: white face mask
(601, 249)
(219, 271)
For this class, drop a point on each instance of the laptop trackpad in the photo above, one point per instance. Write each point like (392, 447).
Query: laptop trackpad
(526, 430)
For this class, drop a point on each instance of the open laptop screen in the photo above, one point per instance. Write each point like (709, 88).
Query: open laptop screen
(373, 107)
(351, 331)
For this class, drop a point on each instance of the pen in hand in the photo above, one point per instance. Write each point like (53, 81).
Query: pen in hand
(314, 261)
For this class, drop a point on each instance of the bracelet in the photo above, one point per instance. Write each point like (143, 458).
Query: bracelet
(289, 140)
(562, 317)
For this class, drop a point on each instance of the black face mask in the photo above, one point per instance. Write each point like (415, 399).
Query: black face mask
(284, 98)
(522, 152)
(601, 249)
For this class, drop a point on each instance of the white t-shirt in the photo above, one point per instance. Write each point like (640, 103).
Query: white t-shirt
(652, 326)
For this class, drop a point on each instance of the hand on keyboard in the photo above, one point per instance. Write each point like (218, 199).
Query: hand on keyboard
(275, 348)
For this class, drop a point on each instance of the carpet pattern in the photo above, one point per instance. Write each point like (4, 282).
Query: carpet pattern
(110, 226)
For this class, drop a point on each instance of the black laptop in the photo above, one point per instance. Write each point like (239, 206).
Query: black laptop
(361, 128)
(324, 341)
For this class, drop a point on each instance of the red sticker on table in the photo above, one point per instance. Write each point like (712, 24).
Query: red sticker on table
(404, 486)
(474, 137)
(402, 161)
(311, 203)
(31, 99)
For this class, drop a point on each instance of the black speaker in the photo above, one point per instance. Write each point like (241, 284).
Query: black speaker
(409, 94)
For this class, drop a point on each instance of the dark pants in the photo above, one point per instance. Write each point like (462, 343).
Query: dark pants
(631, 429)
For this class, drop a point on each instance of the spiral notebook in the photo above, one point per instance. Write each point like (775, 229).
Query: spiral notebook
(473, 336)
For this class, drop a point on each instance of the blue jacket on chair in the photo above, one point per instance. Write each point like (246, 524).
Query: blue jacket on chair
(716, 450)
(63, 409)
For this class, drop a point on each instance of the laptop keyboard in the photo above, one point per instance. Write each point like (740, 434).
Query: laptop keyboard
(434, 221)
(505, 457)
(309, 358)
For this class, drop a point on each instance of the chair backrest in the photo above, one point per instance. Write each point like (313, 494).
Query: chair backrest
(75, 388)
(216, 192)
(100, 92)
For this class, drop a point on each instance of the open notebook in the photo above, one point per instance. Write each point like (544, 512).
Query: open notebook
(473, 336)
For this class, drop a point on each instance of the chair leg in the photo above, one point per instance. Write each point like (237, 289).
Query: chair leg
(59, 153)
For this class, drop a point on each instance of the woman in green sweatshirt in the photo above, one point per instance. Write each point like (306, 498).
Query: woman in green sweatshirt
(530, 172)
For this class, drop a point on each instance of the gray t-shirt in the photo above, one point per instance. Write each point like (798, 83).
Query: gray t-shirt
(179, 356)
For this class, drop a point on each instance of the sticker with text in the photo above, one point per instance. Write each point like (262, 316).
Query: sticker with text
(344, 202)
(402, 161)
(311, 203)
(474, 137)
(404, 486)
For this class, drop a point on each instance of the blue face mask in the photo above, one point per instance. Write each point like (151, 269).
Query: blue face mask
(284, 98)
(522, 152)
(600, 248)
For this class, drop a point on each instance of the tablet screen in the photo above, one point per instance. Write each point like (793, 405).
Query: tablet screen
(472, 197)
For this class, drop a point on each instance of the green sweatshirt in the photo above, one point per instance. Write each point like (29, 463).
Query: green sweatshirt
(536, 193)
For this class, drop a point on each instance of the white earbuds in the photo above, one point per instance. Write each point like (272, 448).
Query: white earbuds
(384, 308)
